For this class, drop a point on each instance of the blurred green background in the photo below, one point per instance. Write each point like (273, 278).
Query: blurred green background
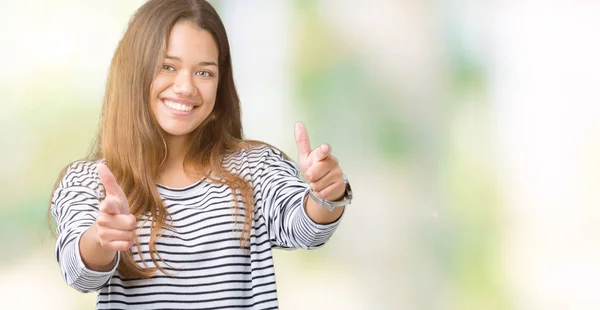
(470, 131)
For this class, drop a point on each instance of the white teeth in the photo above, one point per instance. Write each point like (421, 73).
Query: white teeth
(178, 106)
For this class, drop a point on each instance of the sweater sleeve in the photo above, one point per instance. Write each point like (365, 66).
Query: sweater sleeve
(74, 206)
(282, 206)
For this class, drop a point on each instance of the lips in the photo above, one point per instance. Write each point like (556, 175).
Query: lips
(178, 106)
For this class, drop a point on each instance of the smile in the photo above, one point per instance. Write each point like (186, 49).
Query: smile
(178, 106)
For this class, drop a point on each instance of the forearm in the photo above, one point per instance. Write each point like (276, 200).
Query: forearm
(319, 214)
(93, 255)
(82, 266)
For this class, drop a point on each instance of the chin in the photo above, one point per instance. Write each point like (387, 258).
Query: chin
(175, 124)
(178, 131)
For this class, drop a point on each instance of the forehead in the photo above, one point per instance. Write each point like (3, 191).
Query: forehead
(190, 43)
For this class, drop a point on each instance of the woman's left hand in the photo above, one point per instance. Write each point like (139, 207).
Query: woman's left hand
(319, 167)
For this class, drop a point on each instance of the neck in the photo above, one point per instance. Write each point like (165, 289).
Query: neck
(177, 147)
(173, 172)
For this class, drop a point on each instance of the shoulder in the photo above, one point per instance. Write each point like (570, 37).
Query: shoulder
(80, 170)
(255, 154)
(81, 174)
(254, 159)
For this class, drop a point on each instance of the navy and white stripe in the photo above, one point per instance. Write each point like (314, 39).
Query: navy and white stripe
(206, 267)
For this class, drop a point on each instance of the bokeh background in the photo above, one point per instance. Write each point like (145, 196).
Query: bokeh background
(470, 131)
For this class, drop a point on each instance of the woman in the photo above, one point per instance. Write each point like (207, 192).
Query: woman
(174, 209)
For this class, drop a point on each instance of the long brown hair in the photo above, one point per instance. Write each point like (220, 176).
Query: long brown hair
(131, 140)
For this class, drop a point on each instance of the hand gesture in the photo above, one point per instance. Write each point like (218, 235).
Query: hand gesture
(115, 226)
(319, 167)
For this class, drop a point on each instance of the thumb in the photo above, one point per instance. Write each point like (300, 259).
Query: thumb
(110, 205)
(320, 153)
(302, 141)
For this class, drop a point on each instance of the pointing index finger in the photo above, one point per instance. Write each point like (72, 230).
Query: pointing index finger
(302, 140)
(110, 184)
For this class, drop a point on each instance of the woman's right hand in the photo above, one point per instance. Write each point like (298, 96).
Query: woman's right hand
(115, 227)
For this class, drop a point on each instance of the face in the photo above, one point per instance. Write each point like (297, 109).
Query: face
(183, 93)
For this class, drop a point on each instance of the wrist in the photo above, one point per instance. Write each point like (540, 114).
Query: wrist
(92, 234)
(319, 214)
(344, 199)
(339, 196)
(93, 254)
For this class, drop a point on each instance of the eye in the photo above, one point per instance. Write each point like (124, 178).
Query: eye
(168, 68)
(203, 73)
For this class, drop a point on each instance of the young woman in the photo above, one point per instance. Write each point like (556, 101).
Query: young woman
(174, 209)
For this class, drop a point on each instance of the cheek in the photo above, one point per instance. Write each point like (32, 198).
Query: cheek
(159, 84)
(208, 91)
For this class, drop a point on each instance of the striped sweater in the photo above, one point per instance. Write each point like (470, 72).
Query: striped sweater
(206, 267)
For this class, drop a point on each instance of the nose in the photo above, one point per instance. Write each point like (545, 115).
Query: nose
(183, 84)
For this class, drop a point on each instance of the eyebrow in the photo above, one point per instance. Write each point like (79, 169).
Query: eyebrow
(202, 63)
